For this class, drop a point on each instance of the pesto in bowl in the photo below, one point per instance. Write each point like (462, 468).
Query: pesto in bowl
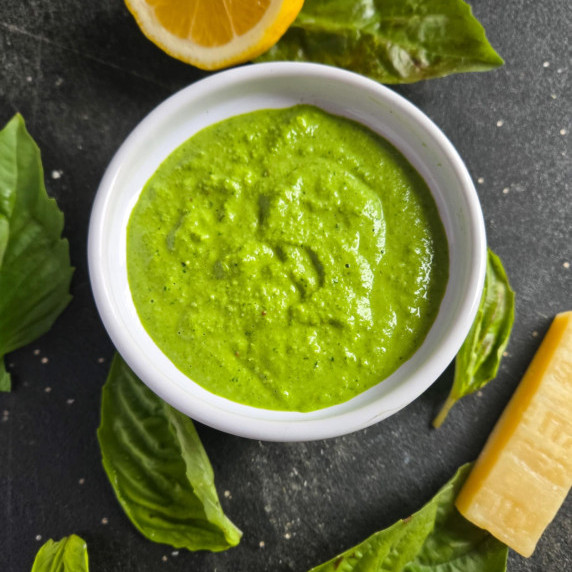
(287, 259)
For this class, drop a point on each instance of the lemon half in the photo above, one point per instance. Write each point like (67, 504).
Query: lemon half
(213, 34)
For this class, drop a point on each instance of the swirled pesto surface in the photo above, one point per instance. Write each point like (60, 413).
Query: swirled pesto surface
(287, 259)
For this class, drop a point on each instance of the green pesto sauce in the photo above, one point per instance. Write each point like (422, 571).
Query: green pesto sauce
(287, 259)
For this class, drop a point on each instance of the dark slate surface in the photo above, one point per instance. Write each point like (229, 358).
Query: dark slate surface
(83, 75)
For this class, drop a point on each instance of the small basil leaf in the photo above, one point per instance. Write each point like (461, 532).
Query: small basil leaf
(480, 355)
(391, 41)
(35, 270)
(66, 555)
(158, 467)
(5, 381)
(435, 539)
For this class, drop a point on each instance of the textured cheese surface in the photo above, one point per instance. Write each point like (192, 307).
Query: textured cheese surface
(524, 473)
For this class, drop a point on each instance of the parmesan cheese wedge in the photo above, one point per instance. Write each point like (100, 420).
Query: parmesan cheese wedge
(524, 473)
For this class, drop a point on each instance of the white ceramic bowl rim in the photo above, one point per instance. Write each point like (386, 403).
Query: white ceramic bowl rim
(273, 85)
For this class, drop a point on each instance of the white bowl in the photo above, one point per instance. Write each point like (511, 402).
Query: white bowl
(276, 85)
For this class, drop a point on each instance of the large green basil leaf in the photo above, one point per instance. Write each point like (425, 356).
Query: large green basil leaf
(435, 539)
(480, 355)
(391, 41)
(158, 467)
(35, 270)
(66, 555)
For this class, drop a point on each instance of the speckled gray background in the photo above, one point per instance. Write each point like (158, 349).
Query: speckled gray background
(83, 76)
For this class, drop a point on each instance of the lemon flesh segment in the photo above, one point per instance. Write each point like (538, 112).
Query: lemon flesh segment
(212, 34)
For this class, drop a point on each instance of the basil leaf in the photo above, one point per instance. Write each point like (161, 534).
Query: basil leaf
(435, 539)
(391, 41)
(480, 355)
(66, 555)
(158, 468)
(35, 270)
(4, 377)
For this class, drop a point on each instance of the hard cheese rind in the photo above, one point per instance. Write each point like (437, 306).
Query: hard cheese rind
(524, 473)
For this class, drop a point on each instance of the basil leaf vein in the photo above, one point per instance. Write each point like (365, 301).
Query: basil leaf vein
(158, 467)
